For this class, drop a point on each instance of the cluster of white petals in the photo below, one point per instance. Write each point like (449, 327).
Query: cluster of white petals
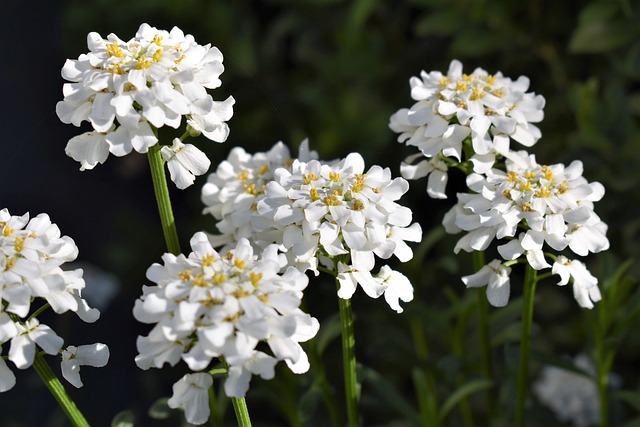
(127, 88)
(32, 252)
(572, 396)
(488, 109)
(209, 305)
(232, 193)
(328, 213)
(529, 206)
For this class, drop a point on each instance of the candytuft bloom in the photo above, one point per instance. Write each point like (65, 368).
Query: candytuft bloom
(211, 304)
(32, 252)
(528, 208)
(342, 217)
(125, 89)
(487, 109)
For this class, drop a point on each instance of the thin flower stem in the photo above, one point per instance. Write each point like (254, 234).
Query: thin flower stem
(38, 311)
(522, 382)
(485, 341)
(242, 413)
(239, 405)
(57, 390)
(349, 361)
(156, 163)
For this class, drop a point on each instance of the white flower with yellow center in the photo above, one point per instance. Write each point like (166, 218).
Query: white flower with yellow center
(125, 89)
(32, 252)
(232, 193)
(337, 211)
(489, 109)
(212, 304)
(528, 207)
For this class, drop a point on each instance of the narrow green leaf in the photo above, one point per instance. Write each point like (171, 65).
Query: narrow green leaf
(160, 410)
(461, 393)
(598, 36)
(629, 396)
(390, 394)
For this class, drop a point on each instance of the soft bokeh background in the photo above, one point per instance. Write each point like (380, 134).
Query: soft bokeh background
(333, 71)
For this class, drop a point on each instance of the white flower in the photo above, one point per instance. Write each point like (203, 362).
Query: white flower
(490, 109)
(337, 210)
(572, 396)
(96, 355)
(185, 162)
(232, 193)
(23, 345)
(555, 202)
(496, 277)
(239, 376)
(212, 304)
(191, 393)
(585, 285)
(123, 89)
(397, 287)
(32, 253)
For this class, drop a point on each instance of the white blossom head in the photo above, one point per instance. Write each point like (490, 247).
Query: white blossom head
(531, 208)
(487, 110)
(125, 89)
(209, 305)
(32, 253)
(339, 215)
(232, 193)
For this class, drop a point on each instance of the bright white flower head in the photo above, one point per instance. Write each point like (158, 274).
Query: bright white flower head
(211, 305)
(232, 193)
(528, 208)
(125, 89)
(585, 285)
(489, 109)
(338, 211)
(32, 252)
(573, 397)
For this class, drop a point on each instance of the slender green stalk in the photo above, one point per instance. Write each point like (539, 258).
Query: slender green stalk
(483, 327)
(602, 367)
(156, 163)
(242, 413)
(57, 390)
(525, 343)
(349, 361)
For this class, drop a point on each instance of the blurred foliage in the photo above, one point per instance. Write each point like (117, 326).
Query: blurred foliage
(334, 71)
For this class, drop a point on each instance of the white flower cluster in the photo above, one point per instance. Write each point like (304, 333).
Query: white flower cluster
(572, 396)
(211, 305)
(31, 255)
(489, 109)
(337, 212)
(126, 89)
(530, 205)
(232, 193)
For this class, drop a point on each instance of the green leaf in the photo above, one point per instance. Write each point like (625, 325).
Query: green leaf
(123, 419)
(309, 402)
(598, 11)
(160, 410)
(427, 397)
(629, 396)
(599, 36)
(441, 23)
(389, 394)
(461, 393)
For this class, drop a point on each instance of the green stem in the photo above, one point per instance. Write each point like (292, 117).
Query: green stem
(156, 163)
(483, 326)
(349, 361)
(602, 368)
(325, 387)
(242, 413)
(55, 387)
(525, 343)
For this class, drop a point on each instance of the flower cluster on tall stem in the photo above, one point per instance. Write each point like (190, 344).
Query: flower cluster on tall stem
(128, 89)
(211, 305)
(32, 253)
(528, 207)
(482, 110)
